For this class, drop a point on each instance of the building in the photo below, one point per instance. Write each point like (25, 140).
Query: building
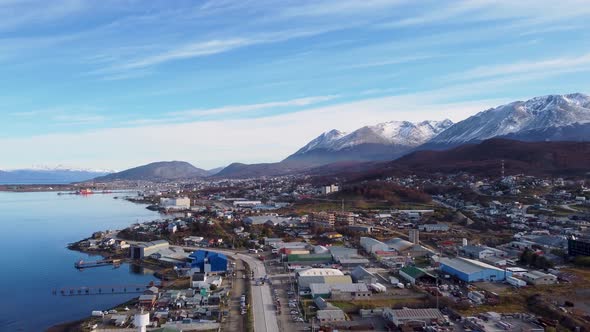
(323, 218)
(481, 252)
(141, 250)
(415, 275)
(371, 245)
(330, 315)
(360, 274)
(207, 261)
(175, 203)
(341, 292)
(265, 220)
(434, 228)
(326, 190)
(344, 218)
(320, 276)
(246, 204)
(469, 270)
(578, 247)
(365, 229)
(406, 248)
(414, 236)
(422, 317)
(539, 278)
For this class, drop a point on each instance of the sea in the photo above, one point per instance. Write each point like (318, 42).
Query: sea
(35, 229)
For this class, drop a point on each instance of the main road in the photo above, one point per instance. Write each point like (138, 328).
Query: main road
(265, 316)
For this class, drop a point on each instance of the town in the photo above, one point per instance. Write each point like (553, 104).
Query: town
(413, 253)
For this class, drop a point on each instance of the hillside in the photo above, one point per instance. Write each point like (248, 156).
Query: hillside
(485, 158)
(158, 171)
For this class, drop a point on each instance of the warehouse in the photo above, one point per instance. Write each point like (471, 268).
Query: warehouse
(208, 261)
(141, 250)
(341, 292)
(421, 316)
(469, 270)
(321, 276)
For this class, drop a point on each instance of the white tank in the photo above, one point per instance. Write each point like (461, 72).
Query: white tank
(141, 321)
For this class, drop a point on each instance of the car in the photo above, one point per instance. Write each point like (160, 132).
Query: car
(294, 312)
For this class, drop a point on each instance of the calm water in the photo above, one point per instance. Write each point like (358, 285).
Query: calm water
(35, 229)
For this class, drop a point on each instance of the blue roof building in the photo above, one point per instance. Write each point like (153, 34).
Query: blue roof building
(470, 270)
(208, 261)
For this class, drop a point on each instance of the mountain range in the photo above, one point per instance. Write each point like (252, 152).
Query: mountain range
(546, 118)
(550, 118)
(384, 141)
(47, 175)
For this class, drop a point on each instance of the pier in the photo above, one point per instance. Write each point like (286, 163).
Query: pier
(99, 290)
(81, 264)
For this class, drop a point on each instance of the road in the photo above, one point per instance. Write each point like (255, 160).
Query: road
(265, 318)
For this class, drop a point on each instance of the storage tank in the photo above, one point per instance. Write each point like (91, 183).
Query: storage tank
(141, 321)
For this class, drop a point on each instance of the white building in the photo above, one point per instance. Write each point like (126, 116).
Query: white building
(175, 203)
(372, 246)
(330, 189)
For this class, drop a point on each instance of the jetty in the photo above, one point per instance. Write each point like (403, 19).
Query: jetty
(82, 264)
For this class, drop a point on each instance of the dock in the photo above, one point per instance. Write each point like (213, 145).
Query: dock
(82, 264)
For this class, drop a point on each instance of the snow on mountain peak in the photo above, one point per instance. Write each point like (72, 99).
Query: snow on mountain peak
(535, 113)
(403, 133)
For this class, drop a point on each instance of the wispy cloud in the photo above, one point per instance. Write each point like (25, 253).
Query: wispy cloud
(543, 67)
(299, 102)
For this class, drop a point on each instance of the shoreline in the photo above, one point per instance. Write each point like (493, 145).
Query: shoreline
(77, 325)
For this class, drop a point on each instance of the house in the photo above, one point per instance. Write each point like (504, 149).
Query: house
(199, 280)
(147, 300)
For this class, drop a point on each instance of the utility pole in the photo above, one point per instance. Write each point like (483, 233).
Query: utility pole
(343, 205)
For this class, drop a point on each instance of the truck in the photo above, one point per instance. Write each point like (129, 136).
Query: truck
(515, 282)
(377, 287)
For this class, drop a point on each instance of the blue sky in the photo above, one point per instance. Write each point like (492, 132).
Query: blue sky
(114, 84)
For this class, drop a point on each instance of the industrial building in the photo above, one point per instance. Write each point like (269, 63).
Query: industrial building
(207, 262)
(341, 292)
(539, 278)
(371, 245)
(330, 315)
(423, 317)
(141, 250)
(415, 275)
(265, 220)
(321, 276)
(175, 203)
(469, 270)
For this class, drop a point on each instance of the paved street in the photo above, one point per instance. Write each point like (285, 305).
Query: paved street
(265, 318)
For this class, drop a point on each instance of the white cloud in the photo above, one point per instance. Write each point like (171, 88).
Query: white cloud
(213, 143)
(545, 67)
(299, 102)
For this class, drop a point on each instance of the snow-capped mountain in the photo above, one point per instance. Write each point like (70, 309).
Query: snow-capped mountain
(383, 141)
(517, 119)
(49, 175)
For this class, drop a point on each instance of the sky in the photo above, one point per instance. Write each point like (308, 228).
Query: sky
(113, 84)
